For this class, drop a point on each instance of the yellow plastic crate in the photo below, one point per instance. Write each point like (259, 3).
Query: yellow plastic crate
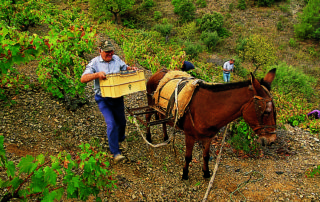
(124, 83)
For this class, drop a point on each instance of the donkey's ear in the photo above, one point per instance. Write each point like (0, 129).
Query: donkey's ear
(255, 84)
(270, 76)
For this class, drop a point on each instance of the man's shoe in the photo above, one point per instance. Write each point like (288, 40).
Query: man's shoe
(119, 158)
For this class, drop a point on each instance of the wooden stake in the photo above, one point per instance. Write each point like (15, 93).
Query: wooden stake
(215, 167)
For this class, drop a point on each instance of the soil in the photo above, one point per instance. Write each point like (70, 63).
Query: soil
(38, 123)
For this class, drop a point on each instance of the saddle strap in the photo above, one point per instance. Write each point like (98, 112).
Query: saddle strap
(173, 96)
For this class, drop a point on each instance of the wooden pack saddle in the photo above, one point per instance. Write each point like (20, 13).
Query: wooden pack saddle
(174, 93)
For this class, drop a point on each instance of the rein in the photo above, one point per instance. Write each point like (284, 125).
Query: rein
(260, 105)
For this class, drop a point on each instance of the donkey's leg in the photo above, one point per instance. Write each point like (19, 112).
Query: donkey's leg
(148, 134)
(206, 157)
(188, 157)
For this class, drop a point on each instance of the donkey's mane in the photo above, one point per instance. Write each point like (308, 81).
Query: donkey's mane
(223, 86)
(229, 86)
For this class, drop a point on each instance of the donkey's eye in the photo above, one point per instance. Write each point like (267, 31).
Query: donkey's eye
(269, 107)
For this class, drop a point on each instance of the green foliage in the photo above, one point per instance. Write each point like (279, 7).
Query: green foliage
(290, 80)
(185, 9)
(59, 73)
(268, 3)
(243, 138)
(210, 39)
(21, 14)
(147, 4)
(15, 48)
(164, 28)
(157, 15)
(280, 26)
(148, 48)
(242, 4)
(231, 7)
(241, 44)
(240, 70)
(309, 26)
(211, 22)
(201, 3)
(83, 174)
(313, 172)
(107, 8)
(297, 119)
(259, 50)
(188, 31)
(293, 43)
(193, 49)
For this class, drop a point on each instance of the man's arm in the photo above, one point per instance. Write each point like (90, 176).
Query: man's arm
(89, 77)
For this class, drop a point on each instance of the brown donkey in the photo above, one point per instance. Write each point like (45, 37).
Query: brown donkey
(214, 106)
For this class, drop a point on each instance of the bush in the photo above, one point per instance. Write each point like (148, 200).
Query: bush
(164, 29)
(297, 119)
(293, 43)
(147, 4)
(21, 15)
(239, 70)
(211, 22)
(79, 175)
(210, 39)
(188, 31)
(185, 9)
(243, 138)
(242, 4)
(290, 80)
(265, 2)
(193, 49)
(59, 73)
(309, 26)
(157, 15)
(280, 26)
(202, 3)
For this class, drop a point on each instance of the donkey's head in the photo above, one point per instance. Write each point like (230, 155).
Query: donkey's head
(260, 111)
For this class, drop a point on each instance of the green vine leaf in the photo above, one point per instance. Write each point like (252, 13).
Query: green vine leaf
(26, 164)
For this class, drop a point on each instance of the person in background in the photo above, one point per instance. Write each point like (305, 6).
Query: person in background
(314, 114)
(228, 67)
(111, 108)
(187, 66)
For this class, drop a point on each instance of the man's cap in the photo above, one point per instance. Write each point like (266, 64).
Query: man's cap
(106, 46)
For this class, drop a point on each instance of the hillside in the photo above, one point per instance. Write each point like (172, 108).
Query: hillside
(39, 123)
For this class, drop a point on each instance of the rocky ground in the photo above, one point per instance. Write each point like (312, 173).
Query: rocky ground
(38, 123)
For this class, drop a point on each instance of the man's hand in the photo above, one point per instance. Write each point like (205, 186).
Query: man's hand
(89, 77)
(132, 68)
(101, 75)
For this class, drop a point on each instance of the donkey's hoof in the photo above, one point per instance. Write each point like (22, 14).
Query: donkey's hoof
(185, 177)
(206, 174)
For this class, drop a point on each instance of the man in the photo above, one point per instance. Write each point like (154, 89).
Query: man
(228, 67)
(111, 108)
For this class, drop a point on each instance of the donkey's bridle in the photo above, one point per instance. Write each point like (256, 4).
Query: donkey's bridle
(260, 105)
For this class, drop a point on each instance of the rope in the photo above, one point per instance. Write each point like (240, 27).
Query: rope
(157, 145)
(216, 166)
(242, 184)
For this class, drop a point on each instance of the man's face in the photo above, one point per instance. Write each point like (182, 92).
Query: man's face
(106, 56)
(231, 62)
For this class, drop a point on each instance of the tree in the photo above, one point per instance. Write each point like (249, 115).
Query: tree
(101, 8)
(258, 50)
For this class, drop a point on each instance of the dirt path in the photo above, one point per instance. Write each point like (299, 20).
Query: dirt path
(39, 124)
